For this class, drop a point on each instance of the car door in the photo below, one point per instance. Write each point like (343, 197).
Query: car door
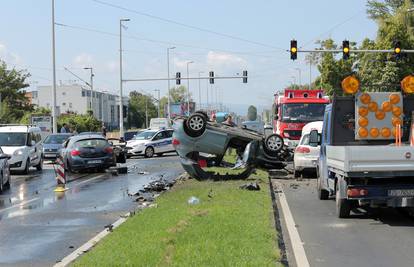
(169, 146)
(160, 142)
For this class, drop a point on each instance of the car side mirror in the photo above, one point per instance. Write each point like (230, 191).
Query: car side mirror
(314, 138)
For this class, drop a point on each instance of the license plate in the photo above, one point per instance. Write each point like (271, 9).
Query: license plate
(94, 161)
(401, 193)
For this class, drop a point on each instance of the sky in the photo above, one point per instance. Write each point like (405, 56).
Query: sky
(226, 37)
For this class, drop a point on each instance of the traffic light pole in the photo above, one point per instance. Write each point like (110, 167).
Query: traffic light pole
(183, 78)
(355, 51)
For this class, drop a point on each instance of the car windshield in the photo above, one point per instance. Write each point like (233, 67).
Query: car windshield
(303, 112)
(56, 139)
(145, 135)
(13, 139)
(91, 143)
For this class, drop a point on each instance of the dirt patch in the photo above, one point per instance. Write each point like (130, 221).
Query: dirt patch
(200, 213)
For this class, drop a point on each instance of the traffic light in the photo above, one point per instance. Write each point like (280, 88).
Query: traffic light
(245, 76)
(397, 49)
(293, 49)
(345, 49)
(211, 75)
(178, 78)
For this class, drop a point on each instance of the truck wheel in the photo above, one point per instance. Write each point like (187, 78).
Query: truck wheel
(196, 125)
(343, 206)
(273, 144)
(323, 194)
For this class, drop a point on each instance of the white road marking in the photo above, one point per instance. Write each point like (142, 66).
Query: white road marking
(90, 180)
(91, 243)
(19, 204)
(297, 244)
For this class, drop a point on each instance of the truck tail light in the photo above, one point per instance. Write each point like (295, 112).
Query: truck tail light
(302, 149)
(175, 142)
(357, 192)
(75, 152)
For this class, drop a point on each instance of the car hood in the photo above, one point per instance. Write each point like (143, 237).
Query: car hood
(52, 146)
(10, 149)
(136, 142)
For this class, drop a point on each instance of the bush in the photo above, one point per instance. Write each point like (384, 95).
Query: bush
(80, 123)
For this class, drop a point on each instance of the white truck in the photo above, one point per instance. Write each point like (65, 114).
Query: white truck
(363, 159)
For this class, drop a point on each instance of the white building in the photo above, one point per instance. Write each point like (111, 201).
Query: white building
(77, 98)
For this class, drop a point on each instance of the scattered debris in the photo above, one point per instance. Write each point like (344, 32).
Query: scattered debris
(71, 247)
(193, 201)
(158, 185)
(210, 193)
(109, 227)
(294, 186)
(251, 187)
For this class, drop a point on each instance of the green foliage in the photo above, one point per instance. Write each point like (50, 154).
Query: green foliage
(13, 99)
(252, 113)
(138, 103)
(80, 123)
(178, 95)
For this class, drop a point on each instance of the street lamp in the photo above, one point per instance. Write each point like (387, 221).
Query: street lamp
(158, 90)
(54, 115)
(188, 88)
(199, 87)
(121, 104)
(91, 106)
(168, 69)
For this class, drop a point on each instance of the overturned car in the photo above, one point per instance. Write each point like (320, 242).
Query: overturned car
(203, 143)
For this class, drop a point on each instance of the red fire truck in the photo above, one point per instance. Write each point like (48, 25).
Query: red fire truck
(295, 108)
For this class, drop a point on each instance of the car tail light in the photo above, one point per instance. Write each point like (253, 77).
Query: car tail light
(302, 149)
(357, 192)
(109, 150)
(175, 142)
(75, 152)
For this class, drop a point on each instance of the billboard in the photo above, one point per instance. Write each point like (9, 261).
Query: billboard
(180, 109)
(43, 122)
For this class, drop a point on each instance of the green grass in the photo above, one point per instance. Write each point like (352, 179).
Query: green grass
(233, 228)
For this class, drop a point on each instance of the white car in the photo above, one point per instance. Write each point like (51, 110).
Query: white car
(151, 142)
(24, 145)
(306, 157)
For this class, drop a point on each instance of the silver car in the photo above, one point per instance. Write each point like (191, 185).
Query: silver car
(4, 171)
(197, 140)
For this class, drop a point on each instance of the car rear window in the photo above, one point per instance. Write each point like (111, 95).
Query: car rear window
(95, 143)
(305, 140)
(56, 139)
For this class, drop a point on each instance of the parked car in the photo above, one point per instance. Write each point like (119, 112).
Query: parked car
(4, 171)
(52, 144)
(306, 155)
(131, 134)
(24, 144)
(196, 135)
(86, 152)
(151, 142)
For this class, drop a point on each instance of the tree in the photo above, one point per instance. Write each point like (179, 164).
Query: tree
(138, 103)
(252, 113)
(178, 95)
(13, 97)
(38, 111)
(80, 123)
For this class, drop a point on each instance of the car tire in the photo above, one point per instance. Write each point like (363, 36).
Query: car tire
(160, 154)
(323, 194)
(27, 167)
(273, 144)
(196, 125)
(39, 166)
(202, 113)
(149, 152)
(343, 206)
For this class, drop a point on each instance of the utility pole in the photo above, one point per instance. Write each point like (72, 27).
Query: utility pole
(199, 88)
(146, 111)
(168, 69)
(300, 75)
(159, 110)
(188, 88)
(121, 102)
(91, 104)
(54, 115)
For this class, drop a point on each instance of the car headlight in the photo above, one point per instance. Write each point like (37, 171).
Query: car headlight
(18, 152)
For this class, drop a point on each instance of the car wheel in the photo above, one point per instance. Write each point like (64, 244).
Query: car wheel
(149, 152)
(323, 194)
(343, 206)
(159, 154)
(27, 167)
(273, 144)
(196, 125)
(39, 166)
(202, 113)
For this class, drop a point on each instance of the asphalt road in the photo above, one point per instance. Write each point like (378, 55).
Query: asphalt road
(39, 227)
(379, 237)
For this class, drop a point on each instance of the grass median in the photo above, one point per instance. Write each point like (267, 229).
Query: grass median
(229, 227)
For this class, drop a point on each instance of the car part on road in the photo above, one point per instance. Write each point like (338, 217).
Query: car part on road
(251, 187)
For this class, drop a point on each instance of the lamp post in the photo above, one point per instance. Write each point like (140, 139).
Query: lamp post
(158, 90)
(91, 106)
(199, 88)
(54, 115)
(121, 104)
(168, 69)
(188, 87)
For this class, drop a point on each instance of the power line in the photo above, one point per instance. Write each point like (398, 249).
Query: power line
(185, 25)
(151, 40)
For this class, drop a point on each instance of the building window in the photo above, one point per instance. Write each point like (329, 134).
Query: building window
(112, 113)
(63, 93)
(83, 93)
(70, 105)
(63, 104)
(88, 93)
(34, 94)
